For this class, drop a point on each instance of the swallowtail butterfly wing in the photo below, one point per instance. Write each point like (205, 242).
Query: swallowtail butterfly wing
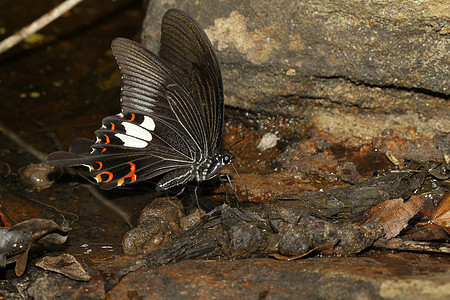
(172, 113)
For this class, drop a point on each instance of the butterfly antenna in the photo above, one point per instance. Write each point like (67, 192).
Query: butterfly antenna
(237, 142)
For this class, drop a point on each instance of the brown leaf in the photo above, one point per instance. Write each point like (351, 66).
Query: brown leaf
(21, 262)
(441, 213)
(428, 232)
(66, 265)
(394, 214)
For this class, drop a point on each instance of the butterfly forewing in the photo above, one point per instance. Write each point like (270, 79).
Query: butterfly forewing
(188, 51)
(149, 87)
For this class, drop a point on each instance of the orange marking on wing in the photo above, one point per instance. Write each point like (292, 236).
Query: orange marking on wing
(103, 149)
(100, 166)
(113, 126)
(99, 177)
(132, 117)
(131, 175)
(107, 139)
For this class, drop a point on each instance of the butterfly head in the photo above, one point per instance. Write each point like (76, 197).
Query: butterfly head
(210, 168)
(226, 159)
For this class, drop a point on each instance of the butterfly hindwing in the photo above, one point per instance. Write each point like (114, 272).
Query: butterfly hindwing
(129, 148)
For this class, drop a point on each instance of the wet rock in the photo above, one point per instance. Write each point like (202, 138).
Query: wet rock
(268, 140)
(40, 284)
(38, 176)
(256, 232)
(189, 221)
(242, 240)
(387, 276)
(293, 242)
(158, 224)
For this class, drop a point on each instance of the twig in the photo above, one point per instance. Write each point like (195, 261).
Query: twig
(108, 203)
(51, 207)
(41, 156)
(37, 25)
(18, 140)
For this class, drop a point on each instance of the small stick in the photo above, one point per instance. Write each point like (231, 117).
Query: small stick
(41, 156)
(37, 25)
(108, 203)
(19, 141)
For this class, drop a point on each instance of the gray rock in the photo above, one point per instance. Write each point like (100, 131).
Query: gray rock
(308, 58)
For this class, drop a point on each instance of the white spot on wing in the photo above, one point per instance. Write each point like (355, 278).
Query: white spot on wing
(148, 123)
(137, 131)
(129, 141)
(90, 169)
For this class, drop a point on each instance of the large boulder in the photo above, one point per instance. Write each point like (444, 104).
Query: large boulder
(353, 68)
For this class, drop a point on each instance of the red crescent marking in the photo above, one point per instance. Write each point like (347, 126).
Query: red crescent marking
(110, 176)
(107, 139)
(103, 149)
(132, 117)
(131, 174)
(113, 127)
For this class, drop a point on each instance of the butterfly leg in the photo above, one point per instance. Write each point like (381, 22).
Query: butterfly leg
(180, 192)
(196, 196)
(224, 178)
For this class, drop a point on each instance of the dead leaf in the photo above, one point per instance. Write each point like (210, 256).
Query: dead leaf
(15, 242)
(441, 213)
(429, 232)
(21, 262)
(66, 265)
(394, 214)
(5, 219)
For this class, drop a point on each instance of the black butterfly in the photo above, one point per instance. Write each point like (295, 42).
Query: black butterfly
(172, 113)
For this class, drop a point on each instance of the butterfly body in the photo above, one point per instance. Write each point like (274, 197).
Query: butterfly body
(172, 114)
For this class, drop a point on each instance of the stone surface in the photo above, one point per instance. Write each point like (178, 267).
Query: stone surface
(40, 284)
(352, 68)
(390, 276)
(77, 79)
